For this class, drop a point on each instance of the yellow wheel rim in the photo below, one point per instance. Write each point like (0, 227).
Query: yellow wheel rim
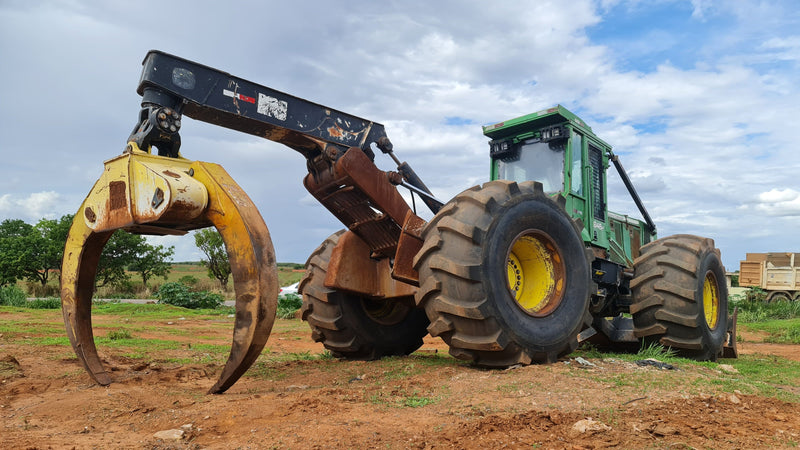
(710, 300)
(535, 273)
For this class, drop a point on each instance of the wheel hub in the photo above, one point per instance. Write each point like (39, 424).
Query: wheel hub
(535, 273)
(710, 300)
(385, 312)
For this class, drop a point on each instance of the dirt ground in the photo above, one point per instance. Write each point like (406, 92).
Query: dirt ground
(295, 397)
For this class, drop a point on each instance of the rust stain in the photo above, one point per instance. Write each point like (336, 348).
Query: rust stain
(335, 132)
(172, 174)
(116, 195)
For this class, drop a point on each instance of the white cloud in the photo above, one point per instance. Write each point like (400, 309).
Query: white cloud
(779, 202)
(35, 206)
(701, 130)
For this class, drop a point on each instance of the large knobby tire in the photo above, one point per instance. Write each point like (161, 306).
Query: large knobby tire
(680, 299)
(504, 276)
(355, 327)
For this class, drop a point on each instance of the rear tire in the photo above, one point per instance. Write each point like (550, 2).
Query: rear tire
(352, 326)
(479, 241)
(680, 296)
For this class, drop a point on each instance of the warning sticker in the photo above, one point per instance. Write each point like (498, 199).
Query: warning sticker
(238, 96)
(272, 107)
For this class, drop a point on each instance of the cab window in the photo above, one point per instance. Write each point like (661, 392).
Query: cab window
(577, 166)
(537, 161)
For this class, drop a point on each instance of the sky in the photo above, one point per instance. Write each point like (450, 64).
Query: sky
(699, 98)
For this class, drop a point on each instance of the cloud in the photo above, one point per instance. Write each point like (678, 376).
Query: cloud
(779, 202)
(31, 208)
(696, 98)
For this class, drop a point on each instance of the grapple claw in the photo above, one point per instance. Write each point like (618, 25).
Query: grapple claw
(149, 194)
(253, 267)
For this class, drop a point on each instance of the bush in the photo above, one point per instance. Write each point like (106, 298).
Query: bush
(177, 294)
(755, 294)
(45, 303)
(188, 280)
(12, 296)
(37, 290)
(288, 305)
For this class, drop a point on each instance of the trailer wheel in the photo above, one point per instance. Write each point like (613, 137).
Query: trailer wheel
(680, 299)
(504, 276)
(779, 296)
(355, 327)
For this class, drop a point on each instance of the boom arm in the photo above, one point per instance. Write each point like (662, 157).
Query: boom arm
(171, 86)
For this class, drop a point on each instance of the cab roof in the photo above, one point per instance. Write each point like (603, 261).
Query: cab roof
(546, 117)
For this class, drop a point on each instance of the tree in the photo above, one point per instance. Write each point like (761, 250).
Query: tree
(152, 261)
(56, 232)
(43, 249)
(209, 241)
(119, 253)
(12, 247)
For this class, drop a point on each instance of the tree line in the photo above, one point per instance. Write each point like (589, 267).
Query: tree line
(34, 253)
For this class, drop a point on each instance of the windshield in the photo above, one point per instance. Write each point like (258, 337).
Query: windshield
(538, 162)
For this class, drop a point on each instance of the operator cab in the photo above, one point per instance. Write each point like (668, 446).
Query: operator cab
(556, 148)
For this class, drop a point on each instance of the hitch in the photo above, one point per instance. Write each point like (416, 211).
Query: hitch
(147, 194)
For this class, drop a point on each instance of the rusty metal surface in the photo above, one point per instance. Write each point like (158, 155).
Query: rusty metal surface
(110, 206)
(361, 197)
(352, 269)
(253, 267)
(409, 245)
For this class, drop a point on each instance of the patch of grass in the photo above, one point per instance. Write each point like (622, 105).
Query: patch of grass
(119, 334)
(49, 340)
(417, 401)
(155, 310)
(18, 328)
(288, 305)
(45, 303)
(655, 351)
(399, 367)
(785, 331)
(759, 311)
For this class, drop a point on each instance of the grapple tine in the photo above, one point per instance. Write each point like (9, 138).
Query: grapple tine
(78, 269)
(253, 267)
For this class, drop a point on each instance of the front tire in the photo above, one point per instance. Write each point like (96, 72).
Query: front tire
(504, 276)
(680, 296)
(352, 326)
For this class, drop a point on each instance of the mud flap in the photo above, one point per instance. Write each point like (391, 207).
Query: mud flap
(155, 195)
(729, 349)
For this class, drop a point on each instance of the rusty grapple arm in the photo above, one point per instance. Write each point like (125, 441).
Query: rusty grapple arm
(152, 194)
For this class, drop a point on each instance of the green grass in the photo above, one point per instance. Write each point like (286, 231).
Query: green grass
(751, 312)
(417, 401)
(757, 374)
(779, 320)
(156, 311)
(122, 333)
(786, 331)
